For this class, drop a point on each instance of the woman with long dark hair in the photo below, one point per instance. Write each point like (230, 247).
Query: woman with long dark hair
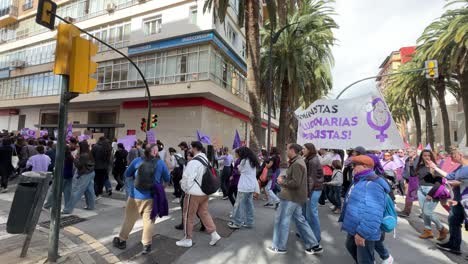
(273, 165)
(68, 172)
(120, 164)
(428, 179)
(84, 184)
(243, 212)
(314, 188)
(234, 180)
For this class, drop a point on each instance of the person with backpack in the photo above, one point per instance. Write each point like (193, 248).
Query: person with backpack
(428, 182)
(459, 179)
(148, 172)
(248, 185)
(363, 223)
(335, 186)
(178, 164)
(198, 181)
(326, 159)
(273, 165)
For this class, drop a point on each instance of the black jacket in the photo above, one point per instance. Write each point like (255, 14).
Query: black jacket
(102, 155)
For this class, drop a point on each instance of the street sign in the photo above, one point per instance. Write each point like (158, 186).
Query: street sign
(46, 13)
(432, 69)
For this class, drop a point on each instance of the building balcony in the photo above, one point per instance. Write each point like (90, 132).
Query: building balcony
(8, 15)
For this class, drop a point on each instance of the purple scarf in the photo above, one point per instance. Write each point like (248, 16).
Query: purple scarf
(160, 205)
(361, 174)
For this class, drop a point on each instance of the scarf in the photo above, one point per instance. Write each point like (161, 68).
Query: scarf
(361, 174)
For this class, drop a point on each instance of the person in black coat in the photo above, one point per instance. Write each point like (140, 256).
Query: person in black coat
(120, 165)
(6, 168)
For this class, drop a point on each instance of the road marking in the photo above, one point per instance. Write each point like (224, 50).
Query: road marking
(94, 244)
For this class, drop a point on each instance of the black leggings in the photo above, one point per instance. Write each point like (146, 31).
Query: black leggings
(232, 194)
(99, 180)
(225, 175)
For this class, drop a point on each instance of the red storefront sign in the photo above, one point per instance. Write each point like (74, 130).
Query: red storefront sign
(188, 102)
(7, 112)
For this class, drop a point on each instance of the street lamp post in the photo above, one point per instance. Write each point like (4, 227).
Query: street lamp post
(273, 39)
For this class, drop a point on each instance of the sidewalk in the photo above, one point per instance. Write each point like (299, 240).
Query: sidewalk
(418, 225)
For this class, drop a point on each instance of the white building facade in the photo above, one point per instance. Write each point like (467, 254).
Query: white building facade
(195, 68)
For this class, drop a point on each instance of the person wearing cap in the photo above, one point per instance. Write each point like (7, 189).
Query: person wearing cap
(363, 210)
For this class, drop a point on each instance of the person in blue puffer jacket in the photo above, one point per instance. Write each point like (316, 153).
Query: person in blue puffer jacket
(363, 211)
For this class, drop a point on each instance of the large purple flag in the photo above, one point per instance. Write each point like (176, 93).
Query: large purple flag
(203, 138)
(237, 141)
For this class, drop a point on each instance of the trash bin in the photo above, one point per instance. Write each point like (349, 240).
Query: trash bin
(27, 202)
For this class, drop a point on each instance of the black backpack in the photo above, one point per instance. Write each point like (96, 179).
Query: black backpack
(180, 161)
(144, 180)
(210, 182)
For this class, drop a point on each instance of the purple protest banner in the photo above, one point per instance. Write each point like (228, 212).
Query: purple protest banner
(127, 141)
(205, 139)
(151, 137)
(83, 137)
(43, 133)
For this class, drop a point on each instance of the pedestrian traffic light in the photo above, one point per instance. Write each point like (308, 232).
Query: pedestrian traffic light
(65, 35)
(82, 66)
(432, 70)
(143, 124)
(46, 13)
(154, 121)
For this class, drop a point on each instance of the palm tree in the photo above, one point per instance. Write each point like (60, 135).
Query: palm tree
(447, 41)
(248, 16)
(301, 61)
(409, 87)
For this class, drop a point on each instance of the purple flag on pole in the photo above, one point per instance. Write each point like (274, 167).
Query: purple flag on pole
(203, 138)
(151, 137)
(69, 133)
(237, 141)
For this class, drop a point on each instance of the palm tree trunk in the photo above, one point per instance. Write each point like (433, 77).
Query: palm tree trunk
(257, 136)
(428, 112)
(464, 92)
(282, 12)
(440, 88)
(417, 120)
(283, 119)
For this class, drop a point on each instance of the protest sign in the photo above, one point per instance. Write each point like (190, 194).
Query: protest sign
(127, 141)
(151, 137)
(343, 124)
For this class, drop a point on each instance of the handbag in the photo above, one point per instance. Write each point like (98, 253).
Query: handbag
(264, 175)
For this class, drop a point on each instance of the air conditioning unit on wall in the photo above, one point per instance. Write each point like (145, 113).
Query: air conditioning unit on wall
(111, 7)
(17, 64)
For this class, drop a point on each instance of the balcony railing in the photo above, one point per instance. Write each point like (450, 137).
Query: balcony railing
(8, 15)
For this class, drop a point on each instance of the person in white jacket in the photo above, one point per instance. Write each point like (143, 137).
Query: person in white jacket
(195, 200)
(244, 206)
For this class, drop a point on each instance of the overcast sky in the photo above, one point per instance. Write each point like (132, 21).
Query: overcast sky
(370, 30)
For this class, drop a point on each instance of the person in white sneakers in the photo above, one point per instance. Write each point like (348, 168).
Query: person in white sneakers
(195, 200)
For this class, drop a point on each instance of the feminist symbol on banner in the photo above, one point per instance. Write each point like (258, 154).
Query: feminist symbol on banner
(379, 118)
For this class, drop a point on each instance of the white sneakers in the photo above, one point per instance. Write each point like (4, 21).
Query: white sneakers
(215, 237)
(389, 260)
(184, 243)
(176, 201)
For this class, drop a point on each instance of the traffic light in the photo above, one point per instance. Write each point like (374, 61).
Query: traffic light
(46, 13)
(65, 35)
(432, 70)
(82, 66)
(143, 124)
(154, 121)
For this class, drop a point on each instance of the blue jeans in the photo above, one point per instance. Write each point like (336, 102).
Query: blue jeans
(272, 197)
(285, 212)
(362, 255)
(310, 211)
(244, 206)
(67, 186)
(427, 208)
(381, 249)
(455, 221)
(83, 184)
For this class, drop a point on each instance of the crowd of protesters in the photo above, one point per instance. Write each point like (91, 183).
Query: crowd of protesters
(311, 178)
